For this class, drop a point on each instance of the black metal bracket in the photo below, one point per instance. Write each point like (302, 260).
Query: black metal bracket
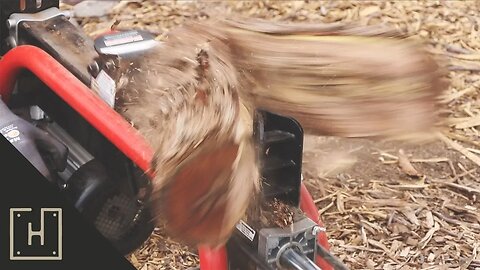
(280, 142)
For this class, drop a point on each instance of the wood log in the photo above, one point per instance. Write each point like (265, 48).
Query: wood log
(346, 80)
(194, 96)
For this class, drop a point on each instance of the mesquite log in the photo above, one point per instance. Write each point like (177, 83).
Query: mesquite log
(182, 98)
(194, 96)
(343, 81)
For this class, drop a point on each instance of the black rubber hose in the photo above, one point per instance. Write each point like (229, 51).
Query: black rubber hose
(292, 259)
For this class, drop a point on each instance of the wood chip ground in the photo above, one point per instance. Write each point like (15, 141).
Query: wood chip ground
(386, 204)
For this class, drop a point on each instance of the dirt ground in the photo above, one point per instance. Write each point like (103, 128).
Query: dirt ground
(386, 204)
(379, 217)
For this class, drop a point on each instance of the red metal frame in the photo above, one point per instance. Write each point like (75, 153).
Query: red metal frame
(308, 206)
(111, 125)
(114, 127)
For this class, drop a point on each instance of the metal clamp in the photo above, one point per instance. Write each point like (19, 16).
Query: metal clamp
(273, 241)
(17, 18)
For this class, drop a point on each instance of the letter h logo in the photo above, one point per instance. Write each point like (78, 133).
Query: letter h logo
(32, 241)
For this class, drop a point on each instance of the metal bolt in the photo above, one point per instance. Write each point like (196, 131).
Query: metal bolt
(318, 229)
(11, 23)
(93, 68)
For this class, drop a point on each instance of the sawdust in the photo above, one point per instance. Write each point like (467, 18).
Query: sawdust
(376, 217)
(275, 213)
(263, 213)
(162, 253)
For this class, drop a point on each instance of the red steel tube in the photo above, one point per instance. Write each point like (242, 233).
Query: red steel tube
(308, 206)
(114, 127)
(211, 259)
(82, 99)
